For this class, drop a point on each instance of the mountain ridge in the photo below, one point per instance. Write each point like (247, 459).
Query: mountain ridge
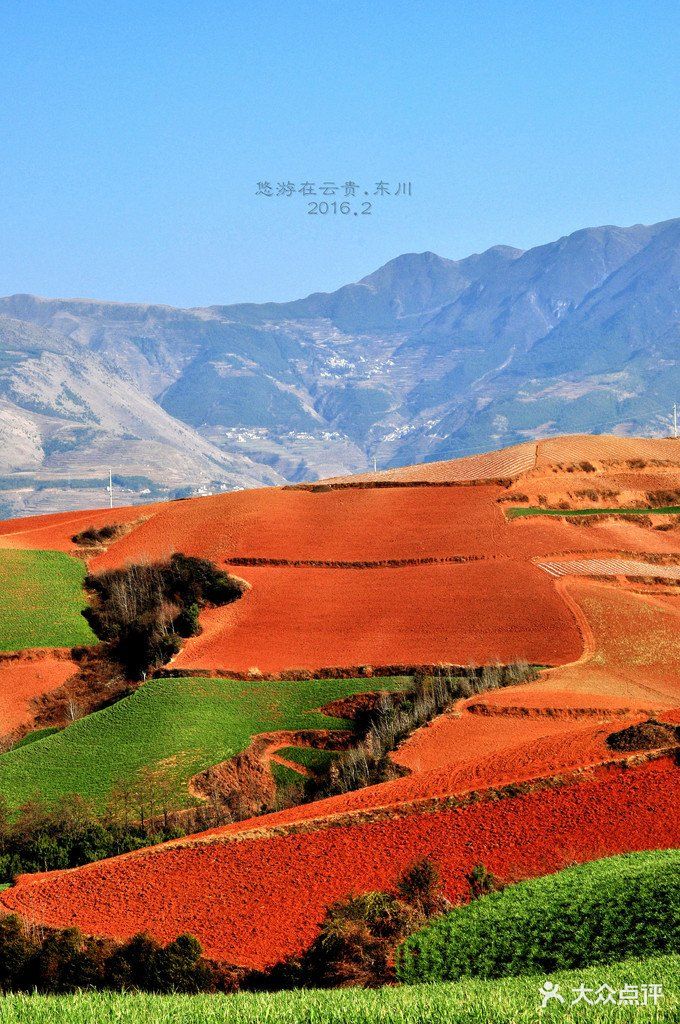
(424, 358)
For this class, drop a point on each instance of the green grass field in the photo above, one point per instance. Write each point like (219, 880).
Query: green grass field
(595, 913)
(511, 1001)
(41, 598)
(285, 776)
(188, 723)
(37, 734)
(518, 513)
(308, 757)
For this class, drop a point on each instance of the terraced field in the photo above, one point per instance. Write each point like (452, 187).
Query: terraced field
(510, 462)
(184, 725)
(254, 893)
(413, 568)
(611, 567)
(606, 448)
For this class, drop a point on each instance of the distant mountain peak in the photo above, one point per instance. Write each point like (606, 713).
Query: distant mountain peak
(425, 358)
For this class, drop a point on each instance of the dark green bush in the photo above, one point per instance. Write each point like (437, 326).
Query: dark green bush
(358, 936)
(142, 611)
(69, 833)
(422, 888)
(16, 952)
(97, 535)
(602, 912)
(481, 881)
(186, 624)
(64, 960)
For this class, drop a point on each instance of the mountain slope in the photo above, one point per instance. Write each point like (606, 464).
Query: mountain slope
(66, 412)
(426, 358)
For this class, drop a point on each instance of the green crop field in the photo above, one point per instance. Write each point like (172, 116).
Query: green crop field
(285, 776)
(518, 513)
(599, 912)
(187, 723)
(510, 1001)
(309, 757)
(37, 734)
(41, 598)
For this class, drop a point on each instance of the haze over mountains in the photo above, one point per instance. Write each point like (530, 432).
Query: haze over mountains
(427, 358)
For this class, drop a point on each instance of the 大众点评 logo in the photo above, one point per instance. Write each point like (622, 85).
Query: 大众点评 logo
(628, 995)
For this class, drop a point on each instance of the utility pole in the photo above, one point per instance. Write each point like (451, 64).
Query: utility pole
(375, 464)
(675, 419)
(110, 489)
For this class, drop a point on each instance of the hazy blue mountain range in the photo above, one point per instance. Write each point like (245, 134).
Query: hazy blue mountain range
(427, 358)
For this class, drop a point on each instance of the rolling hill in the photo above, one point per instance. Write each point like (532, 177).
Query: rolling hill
(420, 570)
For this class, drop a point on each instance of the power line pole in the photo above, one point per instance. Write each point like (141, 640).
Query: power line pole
(675, 419)
(375, 464)
(110, 489)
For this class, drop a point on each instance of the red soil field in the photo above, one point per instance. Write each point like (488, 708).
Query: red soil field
(523, 458)
(54, 532)
(580, 746)
(302, 617)
(632, 646)
(307, 618)
(363, 525)
(654, 479)
(606, 448)
(461, 739)
(355, 525)
(22, 679)
(242, 897)
(534, 697)
(503, 464)
(617, 652)
(452, 758)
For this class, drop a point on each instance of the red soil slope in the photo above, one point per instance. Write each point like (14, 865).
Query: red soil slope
(632, 646)
(510, 463)
(299, 616)
(307, 618)
(617, 649)
(504, 464)
(54, 532)
(606, 448)
(495, 605)
(242, 897)
(464, 738)
(362, 525)
(22, 679)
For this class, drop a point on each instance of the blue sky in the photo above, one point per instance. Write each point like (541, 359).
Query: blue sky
(132, 137)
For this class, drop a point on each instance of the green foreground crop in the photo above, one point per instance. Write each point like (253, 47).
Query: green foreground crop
(600, 912)
(511, 1001)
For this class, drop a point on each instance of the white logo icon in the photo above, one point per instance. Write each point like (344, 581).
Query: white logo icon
(550, 990)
